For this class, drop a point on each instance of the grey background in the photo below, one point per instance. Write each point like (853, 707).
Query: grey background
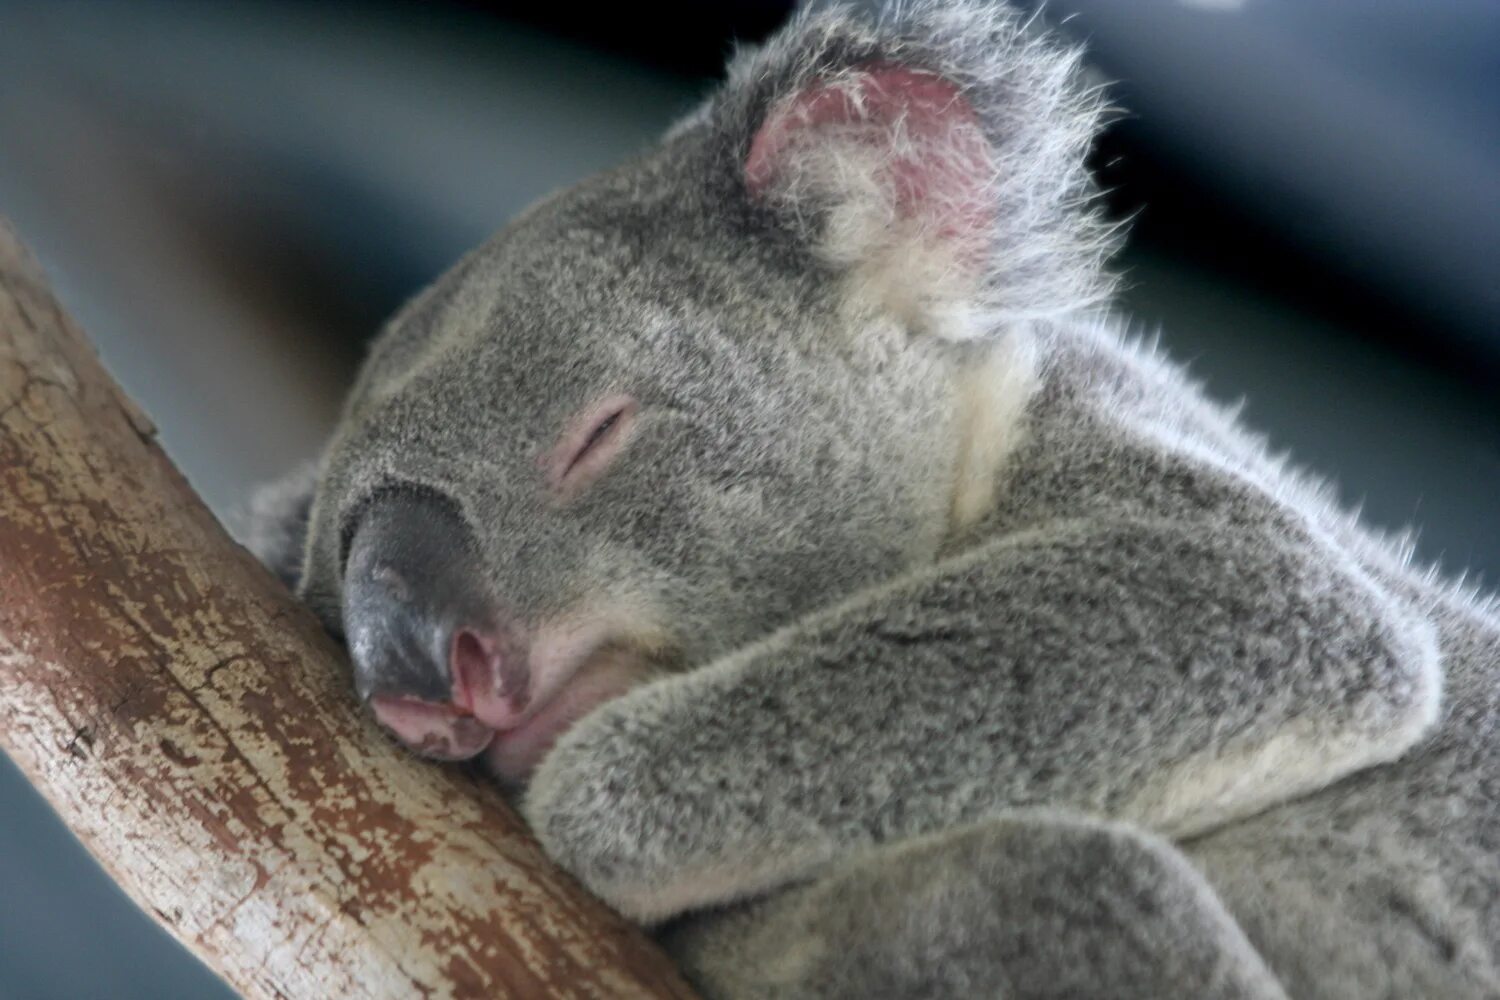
(229, 197)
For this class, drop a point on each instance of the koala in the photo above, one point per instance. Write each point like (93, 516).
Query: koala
(789, 519)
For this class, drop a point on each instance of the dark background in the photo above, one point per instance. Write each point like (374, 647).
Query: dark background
(230, 197)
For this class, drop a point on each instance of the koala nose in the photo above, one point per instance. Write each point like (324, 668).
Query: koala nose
(430, 652)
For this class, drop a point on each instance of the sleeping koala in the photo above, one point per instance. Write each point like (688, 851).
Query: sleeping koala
(786, 514)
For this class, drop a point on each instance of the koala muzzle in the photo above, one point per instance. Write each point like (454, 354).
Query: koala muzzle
(432, 655)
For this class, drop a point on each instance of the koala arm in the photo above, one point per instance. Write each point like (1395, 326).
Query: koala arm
(1028, 904)
(1177, 673)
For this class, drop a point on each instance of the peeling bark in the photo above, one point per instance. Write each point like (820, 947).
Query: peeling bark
(195, 728)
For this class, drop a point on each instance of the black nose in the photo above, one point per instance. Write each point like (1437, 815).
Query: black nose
(411, 582)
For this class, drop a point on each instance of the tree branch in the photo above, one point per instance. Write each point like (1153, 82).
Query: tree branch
(196, 729)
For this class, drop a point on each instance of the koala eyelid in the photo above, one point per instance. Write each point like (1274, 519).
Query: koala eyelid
(589, 444)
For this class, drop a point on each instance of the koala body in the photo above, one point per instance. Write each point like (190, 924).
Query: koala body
(788, 517)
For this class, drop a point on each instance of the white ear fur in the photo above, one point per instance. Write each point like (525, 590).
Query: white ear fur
(896, 166)
(992, 395)
(935, 153)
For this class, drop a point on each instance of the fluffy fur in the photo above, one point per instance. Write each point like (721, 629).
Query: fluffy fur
(999, 661)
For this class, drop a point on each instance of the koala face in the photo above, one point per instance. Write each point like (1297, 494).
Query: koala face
(628, 431)
(675, 407)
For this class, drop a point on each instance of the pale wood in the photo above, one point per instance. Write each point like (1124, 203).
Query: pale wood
(196, 729)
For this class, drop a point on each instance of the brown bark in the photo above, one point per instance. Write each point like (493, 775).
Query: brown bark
(195, 728)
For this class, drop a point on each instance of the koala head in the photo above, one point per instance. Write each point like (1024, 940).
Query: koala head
(740, 377)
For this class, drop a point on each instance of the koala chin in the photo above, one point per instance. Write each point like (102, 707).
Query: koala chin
(787, 515)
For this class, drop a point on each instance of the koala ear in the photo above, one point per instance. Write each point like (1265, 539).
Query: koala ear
(934, 153)
(273, 525)
(896, 155)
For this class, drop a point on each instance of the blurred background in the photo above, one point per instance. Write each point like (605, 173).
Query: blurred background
(231, 196)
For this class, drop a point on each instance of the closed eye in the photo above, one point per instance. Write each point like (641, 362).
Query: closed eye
(590, 443)
(599, 432)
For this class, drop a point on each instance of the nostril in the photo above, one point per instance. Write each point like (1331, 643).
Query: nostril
(474, 665)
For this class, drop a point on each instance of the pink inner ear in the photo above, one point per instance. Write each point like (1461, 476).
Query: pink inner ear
(940, 167)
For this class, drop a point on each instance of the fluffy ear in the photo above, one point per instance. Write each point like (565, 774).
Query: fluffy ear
(934, 152)
(892, 152)
(273, 525)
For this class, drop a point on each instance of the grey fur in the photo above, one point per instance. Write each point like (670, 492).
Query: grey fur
(273, 525)
(992, 909)
(1149, 717)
